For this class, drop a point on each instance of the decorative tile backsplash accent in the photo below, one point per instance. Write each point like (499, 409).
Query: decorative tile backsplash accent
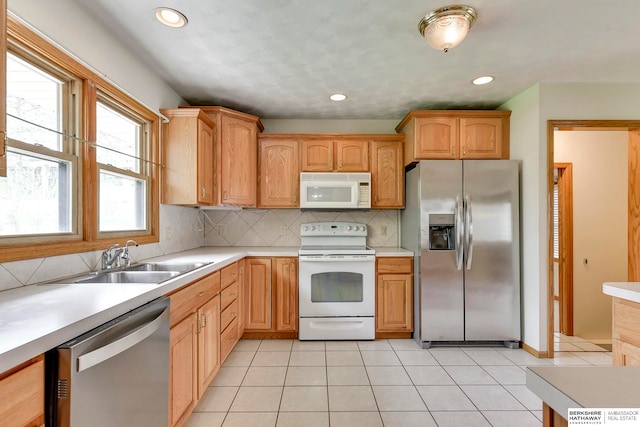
(281, 227)
(183, 228)
(180, 229)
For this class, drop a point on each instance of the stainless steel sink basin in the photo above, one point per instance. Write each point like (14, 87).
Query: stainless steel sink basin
(132, 277)
(157, 266)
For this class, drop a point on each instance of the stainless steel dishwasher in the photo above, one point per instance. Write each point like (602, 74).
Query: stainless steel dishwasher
(114, 375)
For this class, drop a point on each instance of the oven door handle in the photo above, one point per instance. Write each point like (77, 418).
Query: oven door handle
(364, 258)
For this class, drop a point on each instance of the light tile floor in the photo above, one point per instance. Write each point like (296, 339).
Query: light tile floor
(375, 383)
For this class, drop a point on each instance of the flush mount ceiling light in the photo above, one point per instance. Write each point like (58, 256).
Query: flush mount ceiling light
(171, 17)
(483, 80)
(338, 97)
(446, 27)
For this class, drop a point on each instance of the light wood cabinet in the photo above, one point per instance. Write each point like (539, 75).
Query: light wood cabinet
(342, 155)
(387, 175)
(285, 305)
(279, 173)
(230, 310)
(272, 298)
(241, 296)
(187, 154)
(394, 297)
(195, 344)
(455, 134)
(235, 156)
(258, 294)
(626, 333)
(22, 391)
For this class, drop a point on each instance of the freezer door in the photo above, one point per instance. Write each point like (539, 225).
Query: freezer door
(441, 296)
(492, 251)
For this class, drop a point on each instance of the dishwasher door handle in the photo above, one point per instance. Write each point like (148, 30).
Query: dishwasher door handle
(114, 348)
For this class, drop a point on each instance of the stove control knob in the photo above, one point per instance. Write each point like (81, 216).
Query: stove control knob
(313, 228)
(305, 228)
(349, 228)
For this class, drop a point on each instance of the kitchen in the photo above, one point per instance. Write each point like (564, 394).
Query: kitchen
(180, 226)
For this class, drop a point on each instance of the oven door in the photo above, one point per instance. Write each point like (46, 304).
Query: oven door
(336, 285)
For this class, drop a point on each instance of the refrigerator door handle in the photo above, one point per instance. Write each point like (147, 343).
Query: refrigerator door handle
(468, 231)
(459, 226)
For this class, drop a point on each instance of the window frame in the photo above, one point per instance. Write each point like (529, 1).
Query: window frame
(90, 88)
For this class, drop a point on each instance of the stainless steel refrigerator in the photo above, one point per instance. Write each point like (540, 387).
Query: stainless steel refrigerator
(462, 221)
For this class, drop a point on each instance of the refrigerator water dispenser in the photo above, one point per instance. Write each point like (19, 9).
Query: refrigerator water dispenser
(442, 232)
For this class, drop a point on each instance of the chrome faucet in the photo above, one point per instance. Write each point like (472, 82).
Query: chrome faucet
(115, 254)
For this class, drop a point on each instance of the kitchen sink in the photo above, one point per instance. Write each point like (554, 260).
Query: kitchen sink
(144, 277)
(143, 273)
(157, 266)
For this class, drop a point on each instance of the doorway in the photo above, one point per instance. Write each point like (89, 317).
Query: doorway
(633, 257)
(563, 247)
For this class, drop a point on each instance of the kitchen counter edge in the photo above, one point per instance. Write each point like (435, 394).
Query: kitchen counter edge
(625, 290)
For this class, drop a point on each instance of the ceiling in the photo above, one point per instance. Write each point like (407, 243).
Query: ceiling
(283, 58)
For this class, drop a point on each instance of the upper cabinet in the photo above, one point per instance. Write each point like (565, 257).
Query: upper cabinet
(187, 155)
(279, 170)
(463, 134)
(387, 174)
(329, 155)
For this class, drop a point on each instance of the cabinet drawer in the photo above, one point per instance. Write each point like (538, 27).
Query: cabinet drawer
(394, 265)
(187, 300)
(228, 339)
(626, 321)
(229, 275)
(228, 295)
(22, 394)
(228, 314)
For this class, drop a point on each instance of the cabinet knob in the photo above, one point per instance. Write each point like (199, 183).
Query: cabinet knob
(200, 294)
(204, 321)
(232, 295)
(330, 163)
(203, 192)
(225, 195)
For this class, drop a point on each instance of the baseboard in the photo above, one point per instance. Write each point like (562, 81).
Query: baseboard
(533, 351)
(269, 335)
(393, 335)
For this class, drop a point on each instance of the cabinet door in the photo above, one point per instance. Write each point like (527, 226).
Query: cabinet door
(317, 156)
(286, 294)
(394, 303)
(436, 138)
(241, 296)
(481, 138)
(352, 156)
(279, 174)
(208, 343)
(239, 162)
(205, 163)
(258, 296)
(183, 379)
(625, 354)
(22, 391)
(387, 175)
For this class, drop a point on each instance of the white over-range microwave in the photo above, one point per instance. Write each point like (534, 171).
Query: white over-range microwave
(335, 190)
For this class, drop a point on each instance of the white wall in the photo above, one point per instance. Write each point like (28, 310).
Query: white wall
(600, 216)
(530, 112)
(85, 38)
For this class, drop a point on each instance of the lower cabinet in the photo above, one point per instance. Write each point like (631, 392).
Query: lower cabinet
(195, 345)
(394, 297)
(626, 333)
(229, 306)
(22, 395)
(271, 297)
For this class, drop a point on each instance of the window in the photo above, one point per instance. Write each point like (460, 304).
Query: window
(121, 154)
(81, 156)
(37, 196)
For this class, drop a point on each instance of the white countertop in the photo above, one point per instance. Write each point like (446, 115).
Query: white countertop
(625, 290)
(37, 318)
(585, 387)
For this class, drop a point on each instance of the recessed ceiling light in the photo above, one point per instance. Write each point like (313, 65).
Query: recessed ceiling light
(482, 80)
(171, 17)
(338, 97)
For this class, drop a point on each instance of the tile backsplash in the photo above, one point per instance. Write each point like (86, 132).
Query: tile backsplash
(180, 229)
(281, 227)
(183, 228)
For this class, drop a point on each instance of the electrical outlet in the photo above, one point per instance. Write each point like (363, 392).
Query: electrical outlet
(222, 230)
(283, 230)
(168, 232)
(383, 231)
